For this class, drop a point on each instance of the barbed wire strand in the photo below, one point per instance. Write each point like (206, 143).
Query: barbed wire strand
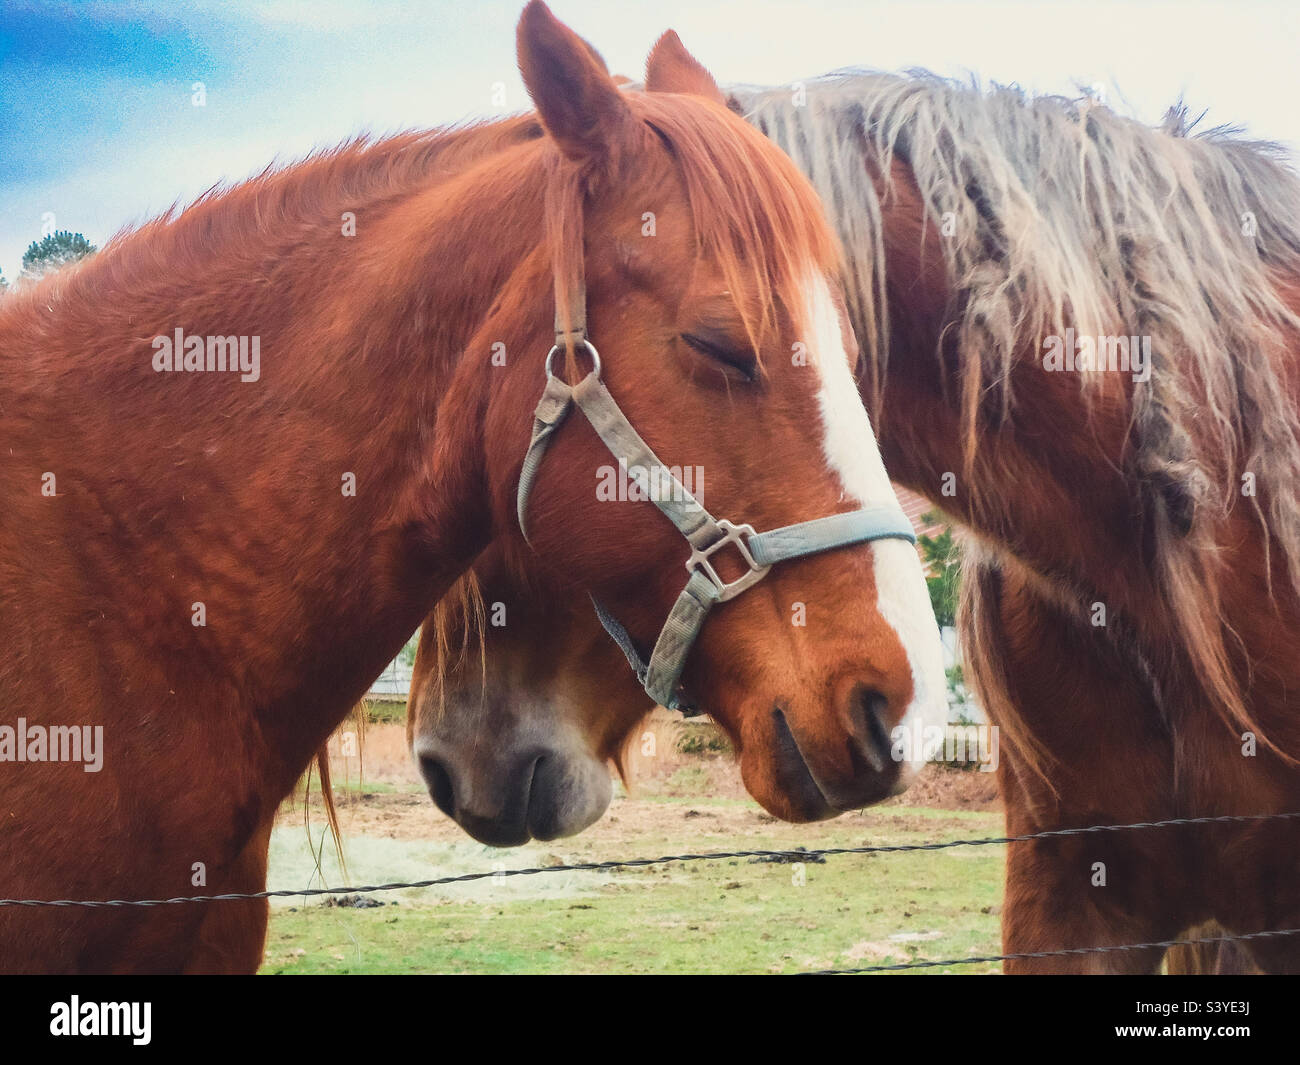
(629, 863)
(1163, 944)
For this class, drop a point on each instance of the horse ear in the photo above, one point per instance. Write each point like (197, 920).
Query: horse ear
(579, 104)
(596, 56)
(671, 68)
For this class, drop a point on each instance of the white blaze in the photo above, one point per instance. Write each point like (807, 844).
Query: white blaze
(852, 452)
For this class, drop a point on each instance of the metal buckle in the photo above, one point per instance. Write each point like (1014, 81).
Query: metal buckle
(699, 561)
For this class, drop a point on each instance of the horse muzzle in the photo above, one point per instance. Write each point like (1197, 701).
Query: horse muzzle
(542, 793)
(801, 775)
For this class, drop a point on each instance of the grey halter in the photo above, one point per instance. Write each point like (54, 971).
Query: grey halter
(706, 534)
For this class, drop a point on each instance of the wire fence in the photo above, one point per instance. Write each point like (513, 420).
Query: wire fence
(1163, 944)
(782, 855)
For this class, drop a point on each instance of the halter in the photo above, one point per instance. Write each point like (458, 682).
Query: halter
(706, 534)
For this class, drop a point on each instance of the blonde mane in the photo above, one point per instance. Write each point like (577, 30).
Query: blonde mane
(1061, 214)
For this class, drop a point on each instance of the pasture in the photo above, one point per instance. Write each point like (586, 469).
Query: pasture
(727, 916)
(1073, 329)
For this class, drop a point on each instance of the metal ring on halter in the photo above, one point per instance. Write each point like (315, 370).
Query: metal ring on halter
(591, 350)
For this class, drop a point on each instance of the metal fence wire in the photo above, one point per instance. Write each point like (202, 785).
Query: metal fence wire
(786, 855)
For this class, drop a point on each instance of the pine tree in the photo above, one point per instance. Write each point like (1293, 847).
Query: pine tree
(54, 251)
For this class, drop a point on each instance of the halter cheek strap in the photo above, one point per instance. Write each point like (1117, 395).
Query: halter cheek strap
(661, 676)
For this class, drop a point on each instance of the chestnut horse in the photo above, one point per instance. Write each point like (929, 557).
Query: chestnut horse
(1137, 657)
(1153, 502)
(211, 566)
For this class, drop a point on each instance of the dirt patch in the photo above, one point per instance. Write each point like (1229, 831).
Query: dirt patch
(941, 788)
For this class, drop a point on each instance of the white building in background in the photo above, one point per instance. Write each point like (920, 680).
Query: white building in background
(395, 680)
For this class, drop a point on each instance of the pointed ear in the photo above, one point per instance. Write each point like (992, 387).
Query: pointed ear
(595, 55)
(671, 68)
(579, 104)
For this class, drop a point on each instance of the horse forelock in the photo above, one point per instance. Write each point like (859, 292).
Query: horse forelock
(1057, 214)
(452, 630)
(453, 638)
(754, 215)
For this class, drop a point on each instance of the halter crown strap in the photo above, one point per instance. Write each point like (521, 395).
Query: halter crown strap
(576, 332)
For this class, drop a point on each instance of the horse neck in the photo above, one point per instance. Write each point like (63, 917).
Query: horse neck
(1049, 483)
(236, 494)
(1043, 482)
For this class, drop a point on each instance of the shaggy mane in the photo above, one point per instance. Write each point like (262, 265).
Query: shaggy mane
(1067, 214)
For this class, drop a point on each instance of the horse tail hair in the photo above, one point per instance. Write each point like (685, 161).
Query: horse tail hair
(322, 763)
(331, 811)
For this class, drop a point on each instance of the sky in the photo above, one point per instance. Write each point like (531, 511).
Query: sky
(99, 127)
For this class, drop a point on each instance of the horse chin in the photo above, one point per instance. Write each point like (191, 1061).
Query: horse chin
(779, 779)
(795, 796)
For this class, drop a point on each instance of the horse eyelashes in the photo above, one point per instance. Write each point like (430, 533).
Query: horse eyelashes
(740, 362)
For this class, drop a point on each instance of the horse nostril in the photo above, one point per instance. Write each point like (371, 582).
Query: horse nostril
(439, 783)
(869, 714)
(537, 783)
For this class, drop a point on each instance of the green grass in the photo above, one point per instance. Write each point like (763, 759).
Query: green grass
(381, 709)
(725, 916)
(376, 787)
(691, 779)
(701, 739)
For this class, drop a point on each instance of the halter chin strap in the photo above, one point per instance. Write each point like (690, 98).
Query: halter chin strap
(661, 676)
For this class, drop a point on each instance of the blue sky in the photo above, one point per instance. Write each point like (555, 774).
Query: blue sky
(97, 126)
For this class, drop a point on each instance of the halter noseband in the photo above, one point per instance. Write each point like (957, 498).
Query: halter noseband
(706, 534)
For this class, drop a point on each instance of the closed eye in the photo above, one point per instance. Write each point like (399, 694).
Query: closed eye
(741, 362)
